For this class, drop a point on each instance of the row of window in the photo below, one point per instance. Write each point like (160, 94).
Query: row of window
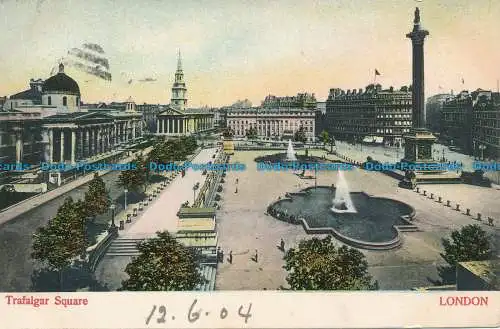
(270, 113)
(64, 99)
(390, 131)
(280, 122)
(390, 116)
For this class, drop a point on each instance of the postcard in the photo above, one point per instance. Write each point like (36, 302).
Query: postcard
(249, 164)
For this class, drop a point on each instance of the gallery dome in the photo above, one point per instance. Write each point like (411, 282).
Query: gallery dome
(61, 83)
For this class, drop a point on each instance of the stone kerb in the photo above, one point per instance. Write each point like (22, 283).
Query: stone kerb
(467, 212)
(97, 251)
(387, 245)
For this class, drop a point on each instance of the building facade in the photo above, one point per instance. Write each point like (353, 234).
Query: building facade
(470, 122)
(272, 123)
(3, 99)
(149, 113)
(433, 112)
(320, 118)
(486, 125)
(300, 101)
(372, 115)
(176, 119)
(29, 97)
(50, 125)
(456, 118)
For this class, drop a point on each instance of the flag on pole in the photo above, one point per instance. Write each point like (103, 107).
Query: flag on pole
(377, 72)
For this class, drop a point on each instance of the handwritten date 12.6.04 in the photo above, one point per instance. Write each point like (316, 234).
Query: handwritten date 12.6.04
(160, 313)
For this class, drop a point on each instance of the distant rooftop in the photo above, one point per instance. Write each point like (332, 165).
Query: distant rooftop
(488, 270)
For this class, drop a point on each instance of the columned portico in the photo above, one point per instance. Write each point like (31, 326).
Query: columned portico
(61, 138)
(73, 146)
(18, 133)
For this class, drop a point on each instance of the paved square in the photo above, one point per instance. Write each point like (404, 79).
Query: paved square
(243, 226)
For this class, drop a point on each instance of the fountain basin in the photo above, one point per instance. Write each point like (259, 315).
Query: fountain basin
(375, 225)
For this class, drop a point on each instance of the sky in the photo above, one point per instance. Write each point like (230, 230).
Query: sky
(249, 49)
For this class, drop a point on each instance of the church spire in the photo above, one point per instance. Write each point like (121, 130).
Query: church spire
(179, 60)
(179, 90)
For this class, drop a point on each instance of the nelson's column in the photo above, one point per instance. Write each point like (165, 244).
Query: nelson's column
(418, 143)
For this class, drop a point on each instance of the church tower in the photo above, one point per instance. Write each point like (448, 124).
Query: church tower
(179, 99)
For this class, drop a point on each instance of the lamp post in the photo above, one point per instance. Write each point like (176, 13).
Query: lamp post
(315, 177)
(482, 148)
(125, 206)
(113, 226)
(195, 187)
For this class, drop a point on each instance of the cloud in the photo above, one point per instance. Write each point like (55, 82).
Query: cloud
(96, 70)
(88, 60)
(94, 47)
(92, 58)
(147, 80)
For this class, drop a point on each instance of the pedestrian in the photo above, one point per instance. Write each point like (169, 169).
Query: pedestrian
(256, 256)
(230, 257)
(236, 180)
(222, 256)
(236, 190)
(282, 245)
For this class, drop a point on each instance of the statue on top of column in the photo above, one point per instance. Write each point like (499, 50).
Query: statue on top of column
(416, 20)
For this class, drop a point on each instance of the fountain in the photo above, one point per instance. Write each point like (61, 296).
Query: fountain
(371, 224)
(342, 202)
(290, 152)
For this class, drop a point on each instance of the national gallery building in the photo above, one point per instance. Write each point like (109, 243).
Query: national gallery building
(47, 123)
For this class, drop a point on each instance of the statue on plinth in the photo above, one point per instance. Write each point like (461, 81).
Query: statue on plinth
(416, 20)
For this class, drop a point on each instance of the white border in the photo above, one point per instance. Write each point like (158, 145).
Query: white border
(270, 309)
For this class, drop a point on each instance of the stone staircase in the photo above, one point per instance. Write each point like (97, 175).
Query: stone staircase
(209, 272)
(408, 228)
(124, 247)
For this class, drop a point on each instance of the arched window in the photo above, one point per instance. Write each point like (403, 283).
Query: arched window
(65, 101)
(49, 100)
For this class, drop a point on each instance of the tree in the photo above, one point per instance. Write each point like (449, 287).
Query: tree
(63, 238)
(158, 153)
(189, 143)
(324, 137)
(318, 265)
(251, 133)
(228, 133)
(163, 265)
(300, 135)
(242, 104)
(135, 178)
(332, 143)
(470, 243)
(96, 199)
